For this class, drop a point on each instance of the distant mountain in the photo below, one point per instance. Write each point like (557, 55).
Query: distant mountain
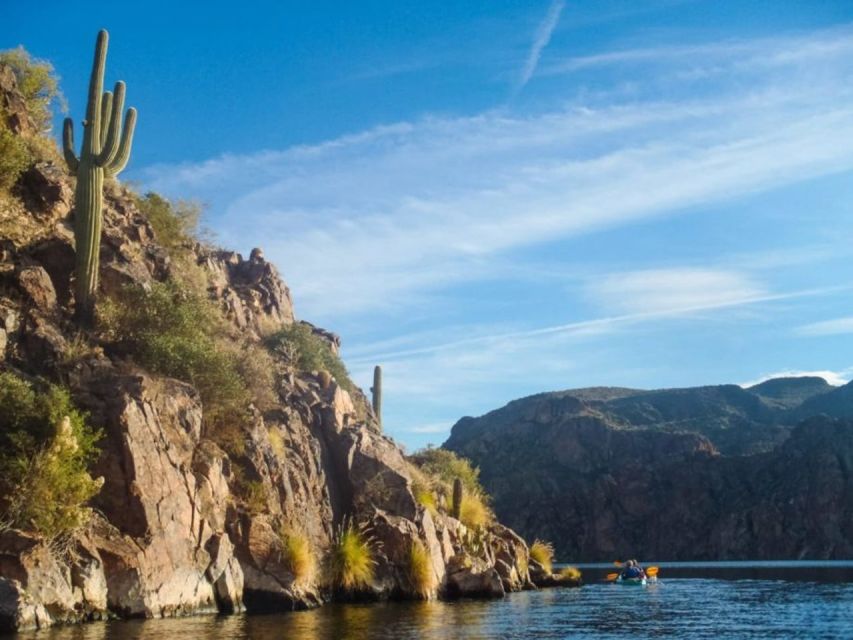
(696, 473)
(788, 393)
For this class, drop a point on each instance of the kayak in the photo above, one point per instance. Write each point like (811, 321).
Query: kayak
(631, 582)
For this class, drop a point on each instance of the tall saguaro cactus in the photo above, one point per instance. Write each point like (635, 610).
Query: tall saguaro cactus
(105, 152)
(456, 505)
(377, 393)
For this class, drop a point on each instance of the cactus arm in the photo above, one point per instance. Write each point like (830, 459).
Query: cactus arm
(119, 162)
(106, 107)
(112, 132)
(92, 125)
(71, 158)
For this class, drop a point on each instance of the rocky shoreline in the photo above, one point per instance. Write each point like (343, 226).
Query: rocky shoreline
(172, 532)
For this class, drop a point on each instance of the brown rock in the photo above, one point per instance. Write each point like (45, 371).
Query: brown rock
(37, 286)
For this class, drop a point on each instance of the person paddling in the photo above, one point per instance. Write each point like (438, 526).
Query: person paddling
(632, 571)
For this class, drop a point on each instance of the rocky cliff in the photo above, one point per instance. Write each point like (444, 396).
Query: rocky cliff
(707, 473)
(181, 525)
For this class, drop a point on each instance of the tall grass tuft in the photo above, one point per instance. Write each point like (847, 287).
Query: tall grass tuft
(474, 512)
(351, 558)
(543, 553)
(569, 573)
(298, 556)
(422, 578)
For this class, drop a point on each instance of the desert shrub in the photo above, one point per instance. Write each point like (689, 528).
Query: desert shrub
(174, 332)
(351, 558)
(177, 228)
(308, 352)
(175, 224)
(422, 579)
(37, 82)
(254, 497)
(45, 448)
(277, 443)
(424, 495)
(543, 553)
(474, 512)
(14, 157)
(447, 466)
(298, 556)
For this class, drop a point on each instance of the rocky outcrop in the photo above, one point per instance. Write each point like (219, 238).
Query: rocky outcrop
(624, 473)
(181, 526)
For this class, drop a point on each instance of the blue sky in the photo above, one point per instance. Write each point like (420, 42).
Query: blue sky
(496, 199)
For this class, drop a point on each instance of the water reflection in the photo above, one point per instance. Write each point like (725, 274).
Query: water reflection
(677, 608)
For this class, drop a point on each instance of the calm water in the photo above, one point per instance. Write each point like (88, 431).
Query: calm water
(708, 600)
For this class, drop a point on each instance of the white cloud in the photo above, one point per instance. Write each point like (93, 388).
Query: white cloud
(385, 219)
(715, 58)
(837, 326)
(654, 290)
(488, 343)
(432, 428)
(835, 378)
(540, 41)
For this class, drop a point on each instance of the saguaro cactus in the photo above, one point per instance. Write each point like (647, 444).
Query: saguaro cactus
(377, 393)
(105, 152)
(456, 507)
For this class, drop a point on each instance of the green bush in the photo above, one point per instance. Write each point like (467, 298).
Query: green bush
(181, 334)
(309, 352)
(14, 157)
(45, 448)
(174, 333)
(446, 466)
(176, 225)
(38, 84)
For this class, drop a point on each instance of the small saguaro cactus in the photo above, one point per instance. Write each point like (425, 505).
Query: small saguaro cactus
(104, 153)
(377, 393)
(456, 507)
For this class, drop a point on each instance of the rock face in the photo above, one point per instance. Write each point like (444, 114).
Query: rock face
(710, 473)
(174, 532)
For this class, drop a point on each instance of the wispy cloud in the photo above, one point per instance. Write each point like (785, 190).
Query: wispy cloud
(691, 304)
(540, 41)
(836, 326)
(757, 54)
(434, 428)
(653, 290)
(390, 223)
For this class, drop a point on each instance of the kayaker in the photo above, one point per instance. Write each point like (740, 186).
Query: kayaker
(632, 571)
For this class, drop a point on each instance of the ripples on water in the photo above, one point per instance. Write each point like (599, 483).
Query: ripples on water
(688, 607)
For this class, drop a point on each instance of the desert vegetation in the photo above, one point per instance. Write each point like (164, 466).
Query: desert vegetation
(46, 446)
(350, 560)
(446, 481)
(308, 352)
(543, 553)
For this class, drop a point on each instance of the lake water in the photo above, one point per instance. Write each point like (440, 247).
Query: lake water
(691, 600)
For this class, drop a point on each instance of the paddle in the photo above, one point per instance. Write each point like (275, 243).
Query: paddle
(651, 572)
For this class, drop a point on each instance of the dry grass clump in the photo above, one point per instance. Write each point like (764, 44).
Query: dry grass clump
(474, 512)
(543, 553)
(422, 578)
(351, 558)
(298, 556)
(569, 574)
